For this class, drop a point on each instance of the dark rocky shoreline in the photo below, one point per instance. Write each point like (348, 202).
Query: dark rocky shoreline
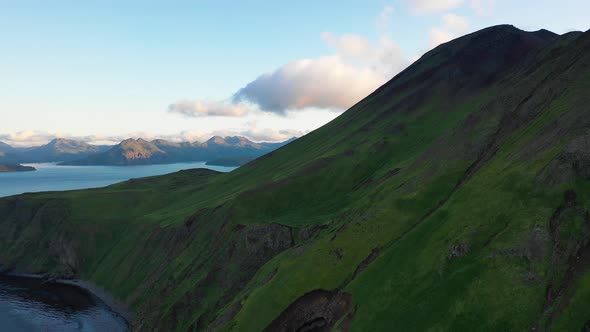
(92, 290)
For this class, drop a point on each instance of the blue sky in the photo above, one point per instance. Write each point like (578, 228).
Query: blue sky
(185, 70)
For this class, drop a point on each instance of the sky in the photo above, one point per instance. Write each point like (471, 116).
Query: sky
(103, 71)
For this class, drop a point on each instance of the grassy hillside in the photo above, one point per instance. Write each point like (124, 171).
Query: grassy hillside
(454, 198)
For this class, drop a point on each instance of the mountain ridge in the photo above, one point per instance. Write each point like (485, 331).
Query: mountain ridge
(58, 149)
(73, 152)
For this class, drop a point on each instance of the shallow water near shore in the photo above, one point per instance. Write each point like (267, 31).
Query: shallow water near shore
(50, 177)
(30, 304)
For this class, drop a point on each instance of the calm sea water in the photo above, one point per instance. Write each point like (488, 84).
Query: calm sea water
(50, 177)
(28, 304)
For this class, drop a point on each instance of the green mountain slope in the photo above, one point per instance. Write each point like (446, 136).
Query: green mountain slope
(453, 198)
(230, 161)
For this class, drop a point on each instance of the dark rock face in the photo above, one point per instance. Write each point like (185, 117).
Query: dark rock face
(573, 162)
(236, 253)
(46, 225)
(570, 255)
(459, 250)
(579, 153)
(316, 311)
(366, 262)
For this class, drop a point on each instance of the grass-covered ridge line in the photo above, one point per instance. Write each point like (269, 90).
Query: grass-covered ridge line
(455, 197)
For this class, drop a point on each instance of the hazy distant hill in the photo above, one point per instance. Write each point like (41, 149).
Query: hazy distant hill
(59, 149)
(15, 168)
(4, 149)
(142, 152)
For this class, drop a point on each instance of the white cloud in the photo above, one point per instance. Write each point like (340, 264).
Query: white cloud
(198, 108)
(336, 81)
(384, 18)
(327, 82)
(251, 130)
(26, 138)
(433, 6)
(36, 138)
(452, 27)
(455, 23)
(349, 45)
(483, 7)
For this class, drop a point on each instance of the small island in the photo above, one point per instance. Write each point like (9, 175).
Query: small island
(16, 168)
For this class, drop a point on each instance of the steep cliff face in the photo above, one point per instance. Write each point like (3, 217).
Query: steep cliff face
(455, 197)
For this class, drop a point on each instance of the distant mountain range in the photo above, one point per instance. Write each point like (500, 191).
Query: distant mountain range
(138, 152)
(142, 152)
(58, 150)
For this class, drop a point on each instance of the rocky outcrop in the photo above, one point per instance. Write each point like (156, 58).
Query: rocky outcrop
(236, 253)
(56, 249)
(572, 163)
(316, 311)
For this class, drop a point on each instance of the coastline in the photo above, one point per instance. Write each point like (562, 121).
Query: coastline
(114, 305)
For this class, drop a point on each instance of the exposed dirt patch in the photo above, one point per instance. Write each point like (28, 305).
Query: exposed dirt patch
(307, 233)
(459, 250)
(316, 311)
(533, 248)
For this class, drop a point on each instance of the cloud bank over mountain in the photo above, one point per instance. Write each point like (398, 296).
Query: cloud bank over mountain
(252, 131)
(335, 81)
